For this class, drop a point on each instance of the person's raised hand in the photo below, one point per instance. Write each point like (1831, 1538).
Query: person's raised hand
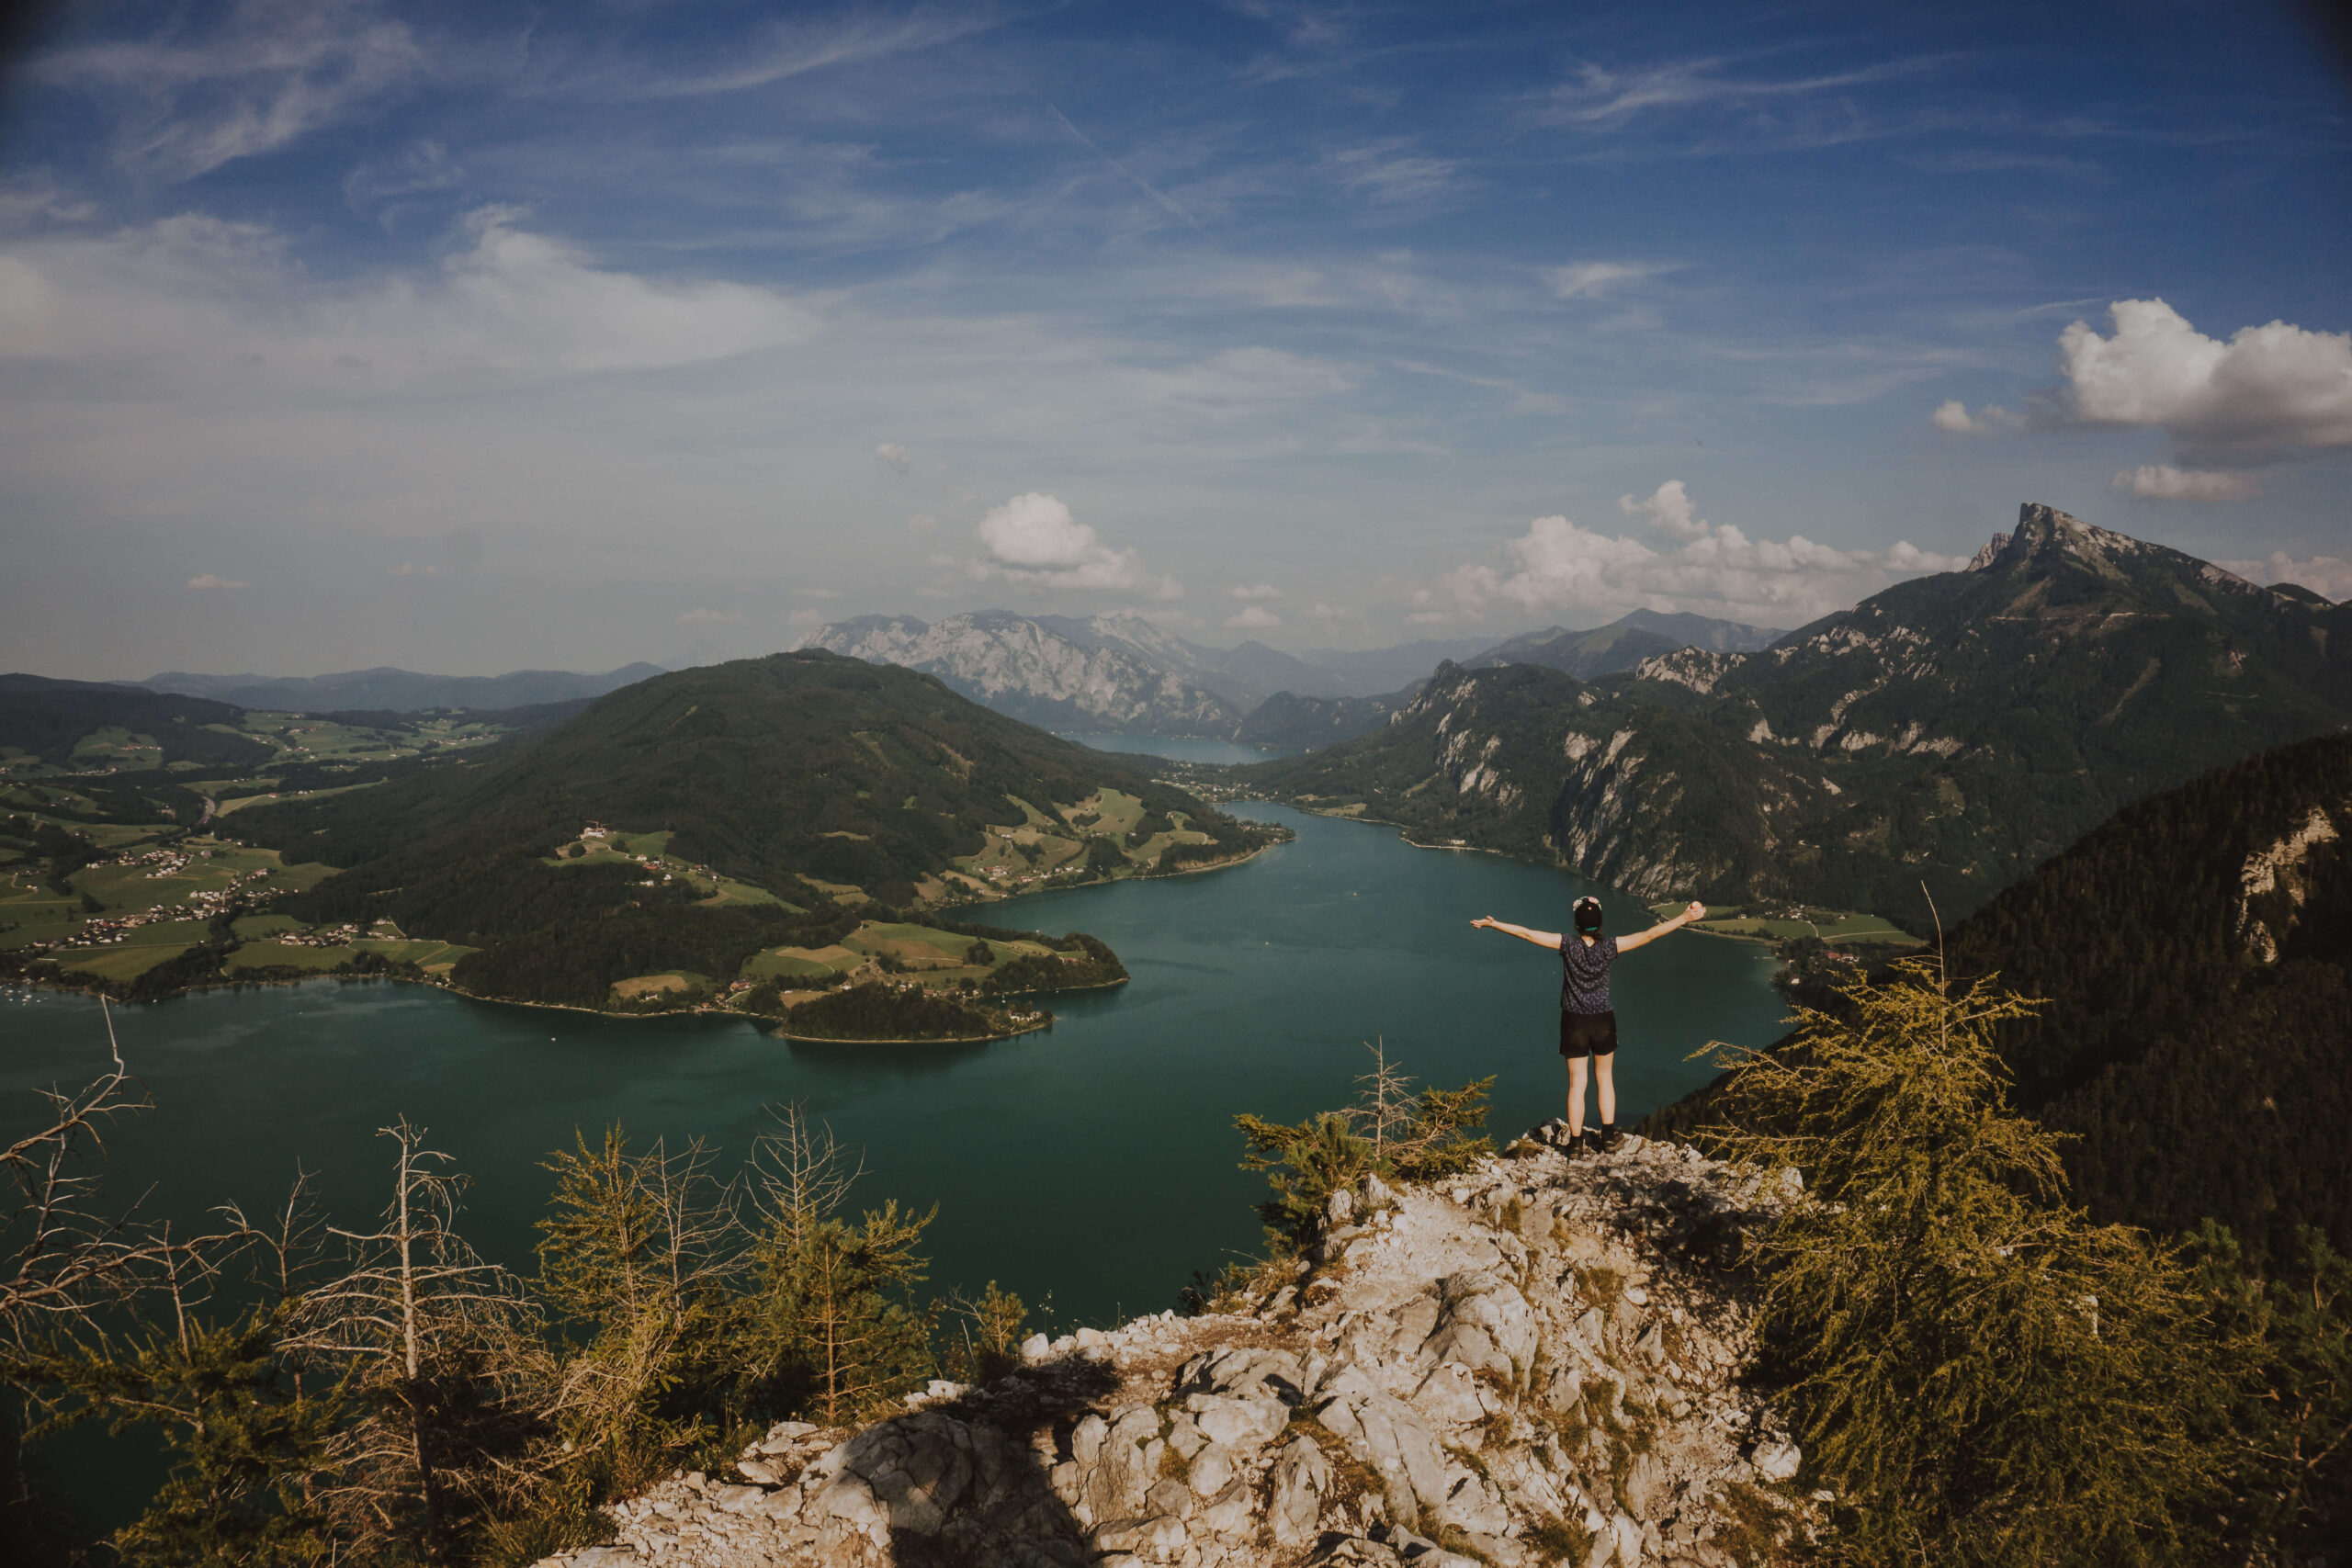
(1483, 922)
(1695, 910)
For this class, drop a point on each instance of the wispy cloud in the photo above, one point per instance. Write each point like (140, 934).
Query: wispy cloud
(1591, 279)
(1601, 97)
(1161, 198)
(267, 74)
(788, 48)
(1393, 173)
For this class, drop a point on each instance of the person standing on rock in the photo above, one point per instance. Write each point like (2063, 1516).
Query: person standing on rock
(1587, 1018)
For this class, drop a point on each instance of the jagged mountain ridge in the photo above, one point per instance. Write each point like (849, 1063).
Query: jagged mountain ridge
(1071, 675)
(388, 690)
(1955, 729)
(1126, 674)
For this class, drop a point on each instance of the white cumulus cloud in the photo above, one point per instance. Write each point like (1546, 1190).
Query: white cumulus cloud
(1560, 565)
(2269, 392)
(1034, 538)
(1256, 591)
(1256, 618)
(209, 579)
(2329, 575)
(1951, 417)
(1667, 510)
(2162, 481)
(890, 455)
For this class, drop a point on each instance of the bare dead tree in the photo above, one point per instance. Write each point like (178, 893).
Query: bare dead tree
(68, 1266)
(1385, 1110)
(800, 1176)
(438, 1343)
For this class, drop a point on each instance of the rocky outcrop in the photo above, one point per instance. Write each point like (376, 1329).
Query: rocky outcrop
(1041, 674)
(1538, 1363)
(2275, 881)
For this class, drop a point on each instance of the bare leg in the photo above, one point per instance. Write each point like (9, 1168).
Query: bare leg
(1607, 1068)
(1576, 1095)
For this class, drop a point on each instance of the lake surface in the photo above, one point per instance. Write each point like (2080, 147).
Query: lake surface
(1093, 1162)
(1183, 750)
(1092, 1166)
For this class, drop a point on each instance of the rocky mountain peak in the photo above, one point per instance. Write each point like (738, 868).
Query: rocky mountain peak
(1540, 1360)
(2044, 530)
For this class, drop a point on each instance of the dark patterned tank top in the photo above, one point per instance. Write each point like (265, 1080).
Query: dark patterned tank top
(1583, 972)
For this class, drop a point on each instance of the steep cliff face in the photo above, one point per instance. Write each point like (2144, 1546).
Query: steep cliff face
(1060, 677)
(1534, 1363)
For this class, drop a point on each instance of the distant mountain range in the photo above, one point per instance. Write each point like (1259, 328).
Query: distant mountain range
(1114, 672)
(1622, 643)
(385, 689)
(48, 719)
(1126, 675)
(1954, 730)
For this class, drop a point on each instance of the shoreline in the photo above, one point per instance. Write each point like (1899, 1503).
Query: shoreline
(57, 982)
(1404, 837)
(765, 1020)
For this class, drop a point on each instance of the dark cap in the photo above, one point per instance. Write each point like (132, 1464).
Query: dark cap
(1587, 913)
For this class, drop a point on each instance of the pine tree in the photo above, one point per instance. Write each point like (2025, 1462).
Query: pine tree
(831, 1328)
(639, 1250)
(1392, 1128)
(1980, 1375)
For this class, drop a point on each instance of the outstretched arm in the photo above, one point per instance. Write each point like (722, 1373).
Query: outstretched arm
(1694, 910)
(1541, 938)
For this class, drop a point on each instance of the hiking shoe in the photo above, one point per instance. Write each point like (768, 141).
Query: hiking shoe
(1609, 1136)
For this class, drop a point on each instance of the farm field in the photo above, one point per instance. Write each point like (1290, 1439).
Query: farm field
(154, 895)
(650, 852)
(1786, 923)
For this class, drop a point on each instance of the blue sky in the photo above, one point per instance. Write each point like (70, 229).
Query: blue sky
(470, 337)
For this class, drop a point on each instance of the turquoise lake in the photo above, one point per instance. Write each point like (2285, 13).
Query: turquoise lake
(1092, 1166)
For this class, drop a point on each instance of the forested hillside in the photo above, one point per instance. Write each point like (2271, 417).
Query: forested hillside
(684, 824)
(2196, 955)
(1955, 730)
(2192, 958)
(54, 719)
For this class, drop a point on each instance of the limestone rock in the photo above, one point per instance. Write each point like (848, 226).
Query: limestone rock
(1464, 1372)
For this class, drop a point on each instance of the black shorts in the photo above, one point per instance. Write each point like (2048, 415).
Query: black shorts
(1588, 1033)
